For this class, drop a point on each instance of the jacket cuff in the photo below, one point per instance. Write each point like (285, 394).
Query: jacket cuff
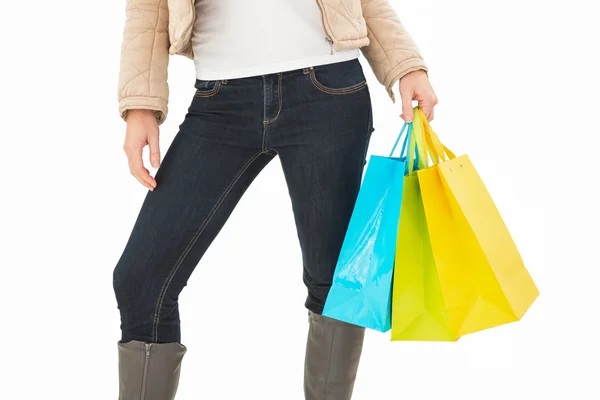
(158, 106)
(402, 69)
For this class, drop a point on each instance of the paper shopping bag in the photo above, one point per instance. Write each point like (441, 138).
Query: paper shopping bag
(419, 310)
(483, 279)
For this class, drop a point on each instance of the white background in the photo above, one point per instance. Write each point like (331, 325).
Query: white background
(518, 84)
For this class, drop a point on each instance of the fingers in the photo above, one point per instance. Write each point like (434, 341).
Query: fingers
(427, 104)
(145, 183)
(154, 144)
(407, 108)
(427, 109)
(137, 169)
(143, 177)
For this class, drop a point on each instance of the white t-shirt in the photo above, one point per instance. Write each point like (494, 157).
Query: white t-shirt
(243, 38)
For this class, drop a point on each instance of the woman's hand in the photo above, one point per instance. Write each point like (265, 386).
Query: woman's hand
(142, 130)
(416, 86)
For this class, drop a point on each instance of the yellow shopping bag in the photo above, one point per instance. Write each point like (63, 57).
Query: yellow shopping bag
(457, 270)
(482, 276)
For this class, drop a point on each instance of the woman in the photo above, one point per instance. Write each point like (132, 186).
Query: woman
(274, 78)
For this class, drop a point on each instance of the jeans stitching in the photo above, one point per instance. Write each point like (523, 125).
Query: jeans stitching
(280, 103)
(209, 93)
(264, 138)
(370, 130)
(171, 275)
(349, 90)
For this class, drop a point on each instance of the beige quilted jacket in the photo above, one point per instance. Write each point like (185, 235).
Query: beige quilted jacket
(156, 28)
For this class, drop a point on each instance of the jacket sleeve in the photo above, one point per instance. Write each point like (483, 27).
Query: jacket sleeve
(391, 52)
(145, 58)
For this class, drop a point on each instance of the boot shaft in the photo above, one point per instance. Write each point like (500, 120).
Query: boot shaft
(333, 351)
(149, 371)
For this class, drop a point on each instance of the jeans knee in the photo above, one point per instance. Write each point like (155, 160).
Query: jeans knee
(118, 281)
(136, 301)
(317, 295)
(127, 286)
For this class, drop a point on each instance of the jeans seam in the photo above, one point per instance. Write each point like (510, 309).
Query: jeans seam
(268, 121)
(181, 259)
(264, 138)
(209, 93)
(370, 130)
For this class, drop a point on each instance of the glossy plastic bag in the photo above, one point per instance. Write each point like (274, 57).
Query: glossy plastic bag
(361, 290)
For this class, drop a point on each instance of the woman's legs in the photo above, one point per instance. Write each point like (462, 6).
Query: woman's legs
(319, 122)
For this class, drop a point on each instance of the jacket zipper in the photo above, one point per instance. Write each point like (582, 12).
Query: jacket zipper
(328, 40)
(148, 346)
(328, 36)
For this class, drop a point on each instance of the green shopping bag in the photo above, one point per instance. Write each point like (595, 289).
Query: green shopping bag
(418, 307)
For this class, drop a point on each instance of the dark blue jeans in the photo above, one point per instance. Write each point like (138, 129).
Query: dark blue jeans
(317, 120)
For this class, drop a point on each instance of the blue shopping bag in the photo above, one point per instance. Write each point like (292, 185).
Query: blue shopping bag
(361, 290)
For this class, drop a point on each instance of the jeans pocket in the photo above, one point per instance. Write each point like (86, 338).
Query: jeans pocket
(207, 88)
(339, 78)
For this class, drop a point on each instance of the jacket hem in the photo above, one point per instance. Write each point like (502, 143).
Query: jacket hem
(351, 44)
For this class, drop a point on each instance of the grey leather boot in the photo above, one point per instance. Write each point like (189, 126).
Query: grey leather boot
(149, 371)
(333, 352)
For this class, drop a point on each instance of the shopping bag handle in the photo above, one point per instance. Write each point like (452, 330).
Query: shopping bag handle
(405, 142)
(437, 151)
(433, 146)
(418, 146)
(412, 148)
